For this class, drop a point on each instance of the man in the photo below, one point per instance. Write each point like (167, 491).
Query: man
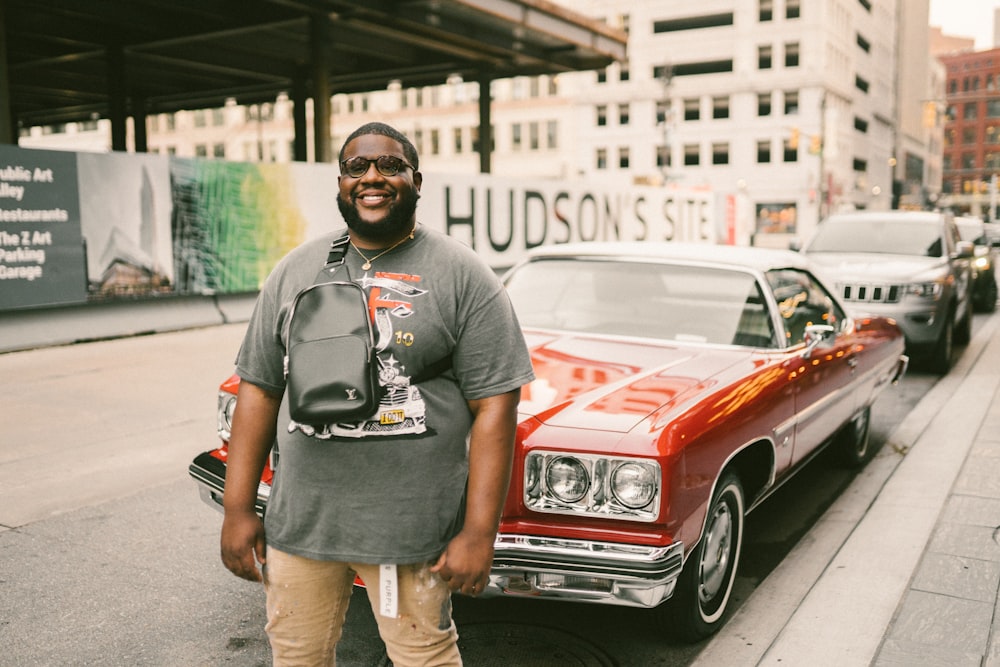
(410, 499)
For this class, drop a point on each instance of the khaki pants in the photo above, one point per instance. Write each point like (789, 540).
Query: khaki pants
(307, 603)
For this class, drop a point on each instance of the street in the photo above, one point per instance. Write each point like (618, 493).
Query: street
(109, 557)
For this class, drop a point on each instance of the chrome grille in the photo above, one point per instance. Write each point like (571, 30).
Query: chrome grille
(871, 292)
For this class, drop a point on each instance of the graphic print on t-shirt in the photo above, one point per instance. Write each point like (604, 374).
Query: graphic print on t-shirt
(402, 410)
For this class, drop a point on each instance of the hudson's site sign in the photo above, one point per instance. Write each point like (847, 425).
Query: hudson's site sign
(78, 227)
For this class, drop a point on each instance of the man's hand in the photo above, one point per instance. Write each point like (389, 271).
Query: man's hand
(465, 563)
(242, 542)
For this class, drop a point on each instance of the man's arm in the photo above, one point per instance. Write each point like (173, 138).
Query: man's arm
(465, 563)
(254, 428)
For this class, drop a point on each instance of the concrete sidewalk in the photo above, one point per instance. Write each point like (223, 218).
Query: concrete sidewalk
(915, 567)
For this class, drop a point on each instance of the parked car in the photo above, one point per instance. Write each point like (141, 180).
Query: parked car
(677, 387)
(911, 266)
(984, 279)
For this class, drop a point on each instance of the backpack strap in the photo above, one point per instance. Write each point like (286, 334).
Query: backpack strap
(335, 258)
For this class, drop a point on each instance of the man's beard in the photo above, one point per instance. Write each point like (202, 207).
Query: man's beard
(396, 223)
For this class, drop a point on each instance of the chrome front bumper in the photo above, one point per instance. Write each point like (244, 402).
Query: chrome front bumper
(584, 571)
(210, 473)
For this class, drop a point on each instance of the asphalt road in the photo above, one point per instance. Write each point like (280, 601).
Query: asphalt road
(108, 556)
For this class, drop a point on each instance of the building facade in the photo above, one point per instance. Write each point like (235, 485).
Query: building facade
(786, 109)
(972, 132)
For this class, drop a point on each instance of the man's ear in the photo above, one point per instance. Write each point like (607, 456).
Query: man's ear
(418, 179)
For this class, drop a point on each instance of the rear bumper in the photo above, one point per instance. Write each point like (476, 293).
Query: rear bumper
(210, 474)
(584, 570)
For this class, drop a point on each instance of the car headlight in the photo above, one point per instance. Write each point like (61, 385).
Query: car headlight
(982, 263)
(929, 290)
(634, 484)
(627, 488)
(567, 479)
(224, 414)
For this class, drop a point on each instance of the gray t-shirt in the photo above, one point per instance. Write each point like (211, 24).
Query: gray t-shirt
(389, 489)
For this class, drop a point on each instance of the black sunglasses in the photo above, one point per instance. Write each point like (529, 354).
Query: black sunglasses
(387, 165)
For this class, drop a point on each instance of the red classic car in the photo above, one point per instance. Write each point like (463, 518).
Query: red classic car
(677, 386)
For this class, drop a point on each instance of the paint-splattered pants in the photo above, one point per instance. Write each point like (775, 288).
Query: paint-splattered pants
(307, 603)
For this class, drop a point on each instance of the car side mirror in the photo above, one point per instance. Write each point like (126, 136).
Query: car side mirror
(965, 249)
(818, 334)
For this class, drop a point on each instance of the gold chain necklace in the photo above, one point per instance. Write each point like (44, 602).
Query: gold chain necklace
(368, 260)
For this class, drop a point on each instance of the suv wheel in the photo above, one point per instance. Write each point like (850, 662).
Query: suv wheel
(940, 358)
(963, 330)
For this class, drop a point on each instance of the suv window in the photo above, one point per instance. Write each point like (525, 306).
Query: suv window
(898, 237)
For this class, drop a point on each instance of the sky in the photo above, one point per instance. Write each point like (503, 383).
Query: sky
(966, 18)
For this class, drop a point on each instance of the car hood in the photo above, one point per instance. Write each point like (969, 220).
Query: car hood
(874, 267)
(610, 384)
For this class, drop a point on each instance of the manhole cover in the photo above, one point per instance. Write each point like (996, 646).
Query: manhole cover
(505, 644)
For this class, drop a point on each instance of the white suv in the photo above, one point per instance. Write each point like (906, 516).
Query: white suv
(908, 265)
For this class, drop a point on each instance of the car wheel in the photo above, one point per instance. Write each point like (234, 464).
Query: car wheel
(940, 358)
(963, 330)
(706, 583)
(854, 441)
(990, 299)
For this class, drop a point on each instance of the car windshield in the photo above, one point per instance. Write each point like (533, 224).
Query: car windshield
(895, 237)
(637, 298)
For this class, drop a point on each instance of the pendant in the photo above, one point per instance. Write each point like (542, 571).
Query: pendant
(366, 266)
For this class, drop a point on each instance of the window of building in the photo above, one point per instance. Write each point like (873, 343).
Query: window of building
(791, 102)
(602, 115)
(692, 157)
(765, 10)
(602, 158)
(693, 22)
(662, 108)
(764, 57)
(969, 112)
(457, 139)
(515, 136)
(435, 142)
(533, 138)
(968, 160)
(199, 118)
(865, 45)
(623, 73)
(992, 160)
(218, 117)
(171, 122)
(602, 75)
(720, 153)
(969, 135)
(866, 4)
(623, 157)
(861, 84)
(764, 151)
(623, 114)
(861, 125)
(790, 151)
(418, 140)
(200, 150)
(860, 165)
(764, 104)
(693, 69)
(720, 107)
(552, 135)
(949, 137)
(992, 135)
(218, 150)
(474, 137)
(792, 54)
(993, 108)
(946, 163)
(692, 108)
(793, 9)
(662, 156)
(533, 87)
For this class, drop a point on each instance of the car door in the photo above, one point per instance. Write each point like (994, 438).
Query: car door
(822, 374)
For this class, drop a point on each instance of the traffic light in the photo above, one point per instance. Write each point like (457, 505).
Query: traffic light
(793, 141)
(815, 144)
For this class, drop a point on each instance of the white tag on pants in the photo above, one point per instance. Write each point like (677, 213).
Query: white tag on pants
(388, 591)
